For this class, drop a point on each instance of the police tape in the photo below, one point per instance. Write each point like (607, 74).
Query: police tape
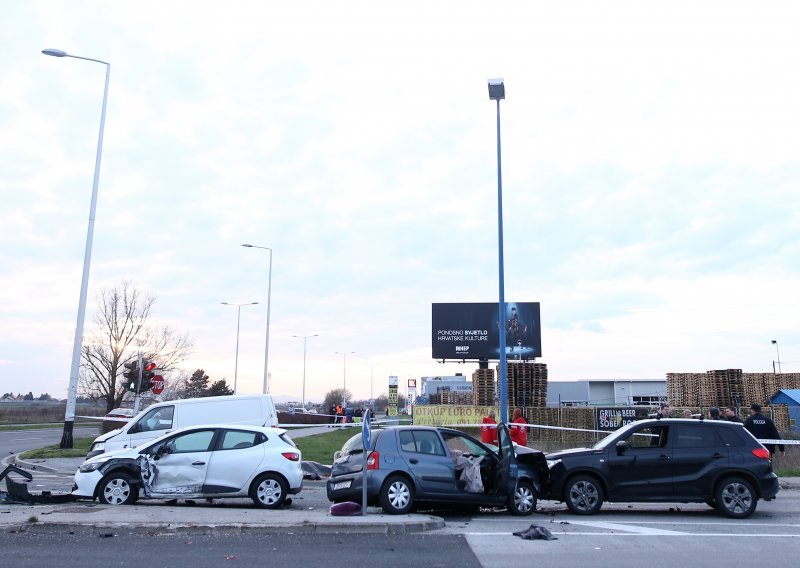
(526, 425)
(543, 427)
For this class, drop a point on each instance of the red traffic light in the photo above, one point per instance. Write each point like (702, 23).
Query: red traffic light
(150, 366)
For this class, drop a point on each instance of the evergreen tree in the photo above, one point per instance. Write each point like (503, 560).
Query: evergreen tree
(197, 384)
(219, 388)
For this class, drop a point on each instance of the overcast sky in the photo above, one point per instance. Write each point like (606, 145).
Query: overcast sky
(650, 181)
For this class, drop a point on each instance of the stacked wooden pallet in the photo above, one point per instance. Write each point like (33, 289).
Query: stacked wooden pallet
(683, 389)
(788, 381)
(483, 389)
(527, 384)
(758, 387)
(722, 388)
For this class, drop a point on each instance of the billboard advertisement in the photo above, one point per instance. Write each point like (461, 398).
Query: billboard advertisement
(472, 331)
(611, 418)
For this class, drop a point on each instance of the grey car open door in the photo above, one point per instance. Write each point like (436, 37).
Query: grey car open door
(507, 471)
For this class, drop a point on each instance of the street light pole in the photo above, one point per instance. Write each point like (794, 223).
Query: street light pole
(305, 341)
(344, 374)
(497, 92)
(238, 318)
(778, 351)
(269, 295)
(72, 391)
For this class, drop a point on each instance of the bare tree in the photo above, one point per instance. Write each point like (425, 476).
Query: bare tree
(121, 332)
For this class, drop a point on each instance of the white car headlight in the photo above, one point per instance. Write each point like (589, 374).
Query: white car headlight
(98, 447)
(552, 463)
(88, 467)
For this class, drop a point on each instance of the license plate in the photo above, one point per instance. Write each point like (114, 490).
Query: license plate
(341, 485)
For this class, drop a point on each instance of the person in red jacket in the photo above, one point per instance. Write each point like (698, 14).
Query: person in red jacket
(518, 432)
(489, 430)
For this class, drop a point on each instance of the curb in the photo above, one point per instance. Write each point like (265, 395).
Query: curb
(14, 460)
(405, 527)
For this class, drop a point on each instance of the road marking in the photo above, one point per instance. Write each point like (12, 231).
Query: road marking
(626, 528)
(666, 533)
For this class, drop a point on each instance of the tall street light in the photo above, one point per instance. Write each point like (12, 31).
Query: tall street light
(238, 318)
(775, 343)
(269, 294)
(305, 341)
(72, 392)
(344, 355)
(497, 92)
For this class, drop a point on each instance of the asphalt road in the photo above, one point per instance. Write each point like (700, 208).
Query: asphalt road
(75, 548)
(16, 441)
(656, 536)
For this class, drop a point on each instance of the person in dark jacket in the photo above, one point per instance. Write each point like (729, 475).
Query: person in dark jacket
(763, 428)
(731, 416)
(713, 413)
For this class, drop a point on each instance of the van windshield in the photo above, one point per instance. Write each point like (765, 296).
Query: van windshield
(159, 418)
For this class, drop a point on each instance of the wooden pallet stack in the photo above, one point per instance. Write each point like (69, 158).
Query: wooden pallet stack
(683, 389)
(527, 384)
(758, 387)
(483, 389)
(788, 381)
(715, 389)
(725, 387)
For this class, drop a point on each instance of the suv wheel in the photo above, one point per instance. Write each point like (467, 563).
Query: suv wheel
(735, 498)
(584, 495)
(397, 495)
(523, 501)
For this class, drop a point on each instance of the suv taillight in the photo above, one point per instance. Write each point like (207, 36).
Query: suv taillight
(291, 456)
(762, 453)
(373, 460)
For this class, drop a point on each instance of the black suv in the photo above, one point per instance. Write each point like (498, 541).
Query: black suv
(668, 460)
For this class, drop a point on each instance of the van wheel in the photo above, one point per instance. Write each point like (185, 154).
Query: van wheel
(397, 495)
(523, 501)
(268, 491)
(735, 498)
(584, 495)
(117, 488)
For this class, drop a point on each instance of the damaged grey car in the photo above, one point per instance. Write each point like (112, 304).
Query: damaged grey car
(210, 462)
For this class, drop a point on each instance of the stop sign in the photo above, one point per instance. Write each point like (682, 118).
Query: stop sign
(158, 384)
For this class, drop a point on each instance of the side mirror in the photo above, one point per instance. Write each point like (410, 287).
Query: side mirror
(337, 454)
(162, 451)
(622, 447)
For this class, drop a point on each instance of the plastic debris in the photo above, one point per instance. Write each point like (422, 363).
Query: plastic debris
(535, 532)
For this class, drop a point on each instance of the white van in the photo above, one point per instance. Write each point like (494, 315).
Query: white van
(162, 418)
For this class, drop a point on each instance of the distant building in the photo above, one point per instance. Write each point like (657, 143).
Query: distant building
(455, 383)
(606, 393)
(791, 398)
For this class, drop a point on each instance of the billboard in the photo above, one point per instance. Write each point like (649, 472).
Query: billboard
(472, 331)
(611, 418)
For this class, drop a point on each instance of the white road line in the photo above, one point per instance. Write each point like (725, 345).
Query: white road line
(667, 533)
(626, 528)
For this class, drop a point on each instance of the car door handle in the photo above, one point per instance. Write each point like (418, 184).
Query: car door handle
(414, 460)
(198, 463)
(717, 456)
(664, 458)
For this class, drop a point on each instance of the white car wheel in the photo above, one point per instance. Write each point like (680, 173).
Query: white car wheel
(269, 491)
(117, 489)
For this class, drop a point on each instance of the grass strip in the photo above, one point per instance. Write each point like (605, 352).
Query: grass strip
(80, 447)
(320, 447)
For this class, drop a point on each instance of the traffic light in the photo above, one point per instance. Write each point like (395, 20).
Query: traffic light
(147, 375)
(131, 375)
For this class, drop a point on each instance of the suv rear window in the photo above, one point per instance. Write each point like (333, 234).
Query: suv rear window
(730, 437)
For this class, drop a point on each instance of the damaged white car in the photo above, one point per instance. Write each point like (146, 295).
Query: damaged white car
(209, 462)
